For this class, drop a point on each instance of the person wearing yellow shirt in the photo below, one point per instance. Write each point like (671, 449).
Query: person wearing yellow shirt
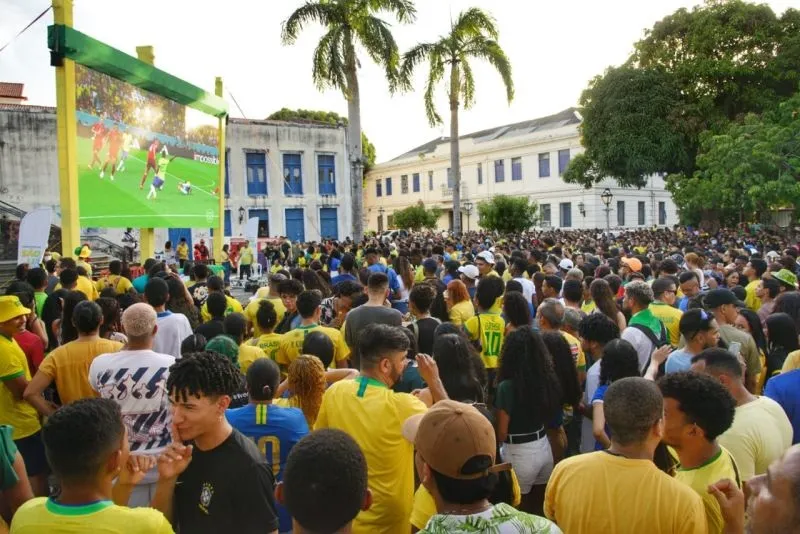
(216, 284)
(235, 326)
(266, 320)
(271, 295)
(246, 258)
(663, 307)
(182, 252)
(697, 409)
(488, 327)
(551, 318)
(87, 446)
(754, 270)
(14, 378)
(369, 411)
(114, 279)
(308, 306)
(82, 282)
(621, 490)
(484, 261)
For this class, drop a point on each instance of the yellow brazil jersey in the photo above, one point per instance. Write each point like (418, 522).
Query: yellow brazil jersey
(373, 415)
(752, 301)
(19, 415)
(588, 306)
(577, 351)
(488, 328)
(671, 318)
(252, 308)
(233, 307)
(247, 355)
(85, 286)
(292, 343)
(419, 274)
(721, 465)
(269, 343)
(121, 284)
(45, 515)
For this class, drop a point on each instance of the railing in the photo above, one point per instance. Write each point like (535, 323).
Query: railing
(101, 244)
(447, 192)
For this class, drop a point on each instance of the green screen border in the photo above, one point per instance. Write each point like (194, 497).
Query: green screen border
(65, 41)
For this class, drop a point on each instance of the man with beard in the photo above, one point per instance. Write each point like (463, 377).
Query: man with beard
(372, 414)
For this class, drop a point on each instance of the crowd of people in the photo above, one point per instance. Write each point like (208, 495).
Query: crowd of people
(552, 382)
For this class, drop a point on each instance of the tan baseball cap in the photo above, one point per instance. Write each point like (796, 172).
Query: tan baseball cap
(451, 435)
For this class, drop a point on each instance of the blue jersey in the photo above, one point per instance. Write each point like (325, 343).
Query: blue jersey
(394, 284)
(275, 430)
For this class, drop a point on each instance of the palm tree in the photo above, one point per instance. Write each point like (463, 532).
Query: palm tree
(351, 23)
(472, 35)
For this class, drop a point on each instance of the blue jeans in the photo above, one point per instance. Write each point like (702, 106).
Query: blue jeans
(226, 268)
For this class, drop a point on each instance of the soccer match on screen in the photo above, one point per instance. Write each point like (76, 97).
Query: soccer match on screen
(140, 162)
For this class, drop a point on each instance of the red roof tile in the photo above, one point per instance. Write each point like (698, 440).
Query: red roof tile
(11, 90)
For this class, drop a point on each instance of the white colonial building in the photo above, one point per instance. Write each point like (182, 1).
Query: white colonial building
(522, 159)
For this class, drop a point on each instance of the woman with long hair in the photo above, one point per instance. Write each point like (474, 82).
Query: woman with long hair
(620, 360)
(311, 280)
(528, 402)
(459, 306)
(226, 265)
(111, 327)
(405, 279)
(732, 279)
(516, 311)
(694, 263)
(781, 340)
(68, 332)
(178, 302)
(749, 322)
(788, 302)
(306, 384)
(606, 303)
(567, 374)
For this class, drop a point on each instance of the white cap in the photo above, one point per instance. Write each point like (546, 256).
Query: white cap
(486, 256)
(773, 254)
(470, 271)
(566, 264)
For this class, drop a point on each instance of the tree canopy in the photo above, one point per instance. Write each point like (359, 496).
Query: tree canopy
(416, 217)
(693, 77)
(507, 214)
(328, 117)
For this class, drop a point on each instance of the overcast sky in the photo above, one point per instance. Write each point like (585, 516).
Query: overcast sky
(554, 48)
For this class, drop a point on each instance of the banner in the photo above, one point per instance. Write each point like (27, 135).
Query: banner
(144, 161)
(34, 231)
(251, 230)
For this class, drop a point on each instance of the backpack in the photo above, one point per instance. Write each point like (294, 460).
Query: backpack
(415, 328)
(657, 342)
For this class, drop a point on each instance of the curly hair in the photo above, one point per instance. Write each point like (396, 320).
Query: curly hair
(460, 366)
(307, 384)
(516, 309)
(598, 327)
(203, 374)
(526, 361)
(620, 360)
(703, 400)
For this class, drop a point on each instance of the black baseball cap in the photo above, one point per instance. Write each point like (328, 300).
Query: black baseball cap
(721, 296)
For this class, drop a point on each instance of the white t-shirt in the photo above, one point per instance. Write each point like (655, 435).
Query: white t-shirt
(528, 289)
(173, 328)
(137, 381)
(592, 382)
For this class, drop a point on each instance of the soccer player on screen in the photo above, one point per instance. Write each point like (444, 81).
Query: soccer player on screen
(98, 137)
(114, 139)
(185, 187)
(127, 143)
(160, 176)
(151, 160)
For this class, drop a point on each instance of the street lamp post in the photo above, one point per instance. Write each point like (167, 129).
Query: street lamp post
(607, 196)
(468, 211)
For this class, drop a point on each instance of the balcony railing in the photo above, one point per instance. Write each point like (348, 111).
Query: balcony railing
(447, 192)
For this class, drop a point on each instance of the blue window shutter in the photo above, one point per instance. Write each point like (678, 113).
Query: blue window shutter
(228, 225)
(544, 165)
(516, 169)
(292, 174)
(499, 171)
(416, 182)
(430, 180)
(378, 189)
(563, 161)
(326, 172)
(389, 187)
(256, 170)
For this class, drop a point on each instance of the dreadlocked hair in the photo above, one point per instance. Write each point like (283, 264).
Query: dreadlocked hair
(307, 384)
(203, 374)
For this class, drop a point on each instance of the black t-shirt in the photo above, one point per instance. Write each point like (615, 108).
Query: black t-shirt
(210, 329)
(423, 330)
(226, 489)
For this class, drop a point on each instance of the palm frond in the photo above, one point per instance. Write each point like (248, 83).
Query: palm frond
(404, 10)
(475, 21)
(467, 83)
(435, 75)
(326, 13)
(378, 41)
(490, 50)
(411, 60)
(328, 64)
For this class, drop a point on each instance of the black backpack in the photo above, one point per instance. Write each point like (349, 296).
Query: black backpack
(657, 342)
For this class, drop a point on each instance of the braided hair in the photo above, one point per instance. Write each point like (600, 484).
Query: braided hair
(203, 374)
(306, 377)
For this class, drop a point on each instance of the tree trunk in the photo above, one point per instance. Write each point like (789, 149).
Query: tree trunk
(355, 157)
(455, 165)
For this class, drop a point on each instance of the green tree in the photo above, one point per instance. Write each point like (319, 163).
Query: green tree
(507, 214)
(328, 117)
(752, 167)
(416, 217)
(695, 71)
(473, 35)
(350, 25)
